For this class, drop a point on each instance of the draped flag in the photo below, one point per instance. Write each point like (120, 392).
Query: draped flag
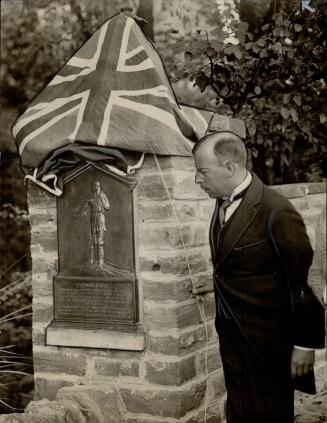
(113, 92)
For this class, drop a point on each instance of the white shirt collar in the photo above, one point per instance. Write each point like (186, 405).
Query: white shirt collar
(242, 186)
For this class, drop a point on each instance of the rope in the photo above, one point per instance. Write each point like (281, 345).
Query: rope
(201, 311)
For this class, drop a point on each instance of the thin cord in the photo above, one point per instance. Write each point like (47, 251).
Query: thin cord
(202, 312)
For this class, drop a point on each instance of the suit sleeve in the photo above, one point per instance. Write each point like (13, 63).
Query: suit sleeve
(296, 253)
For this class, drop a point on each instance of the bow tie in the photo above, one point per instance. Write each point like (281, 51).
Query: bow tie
(225, 202)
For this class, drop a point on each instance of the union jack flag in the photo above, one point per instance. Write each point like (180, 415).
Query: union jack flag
(113, 92)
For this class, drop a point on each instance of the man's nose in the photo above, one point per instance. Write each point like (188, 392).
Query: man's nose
(198, 178)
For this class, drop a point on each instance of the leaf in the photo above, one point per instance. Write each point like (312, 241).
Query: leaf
(218, 33)
(257, 90)
(285, 112)
(277, 48)
(234, 50)
(243, 27)
(250, 36)
(297, 28)
(263, 53)
(261, 42)
(297, 99)
(248, 45)
(290, 54)
(252, 129)
(294, 114)
(286, 98)
(322, 118)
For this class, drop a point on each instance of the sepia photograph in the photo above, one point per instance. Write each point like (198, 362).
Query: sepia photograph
(163, 170)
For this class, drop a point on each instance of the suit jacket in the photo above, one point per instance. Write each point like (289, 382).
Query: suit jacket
(266, 294)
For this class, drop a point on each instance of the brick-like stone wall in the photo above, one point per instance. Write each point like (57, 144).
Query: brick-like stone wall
(168, 381)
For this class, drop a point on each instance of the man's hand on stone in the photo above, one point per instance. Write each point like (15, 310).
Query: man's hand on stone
(200, 292)
(302, 361)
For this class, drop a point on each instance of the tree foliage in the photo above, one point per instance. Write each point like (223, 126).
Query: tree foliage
(36, 45)
(273, 78)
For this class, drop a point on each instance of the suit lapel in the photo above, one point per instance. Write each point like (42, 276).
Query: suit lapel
(241, 219)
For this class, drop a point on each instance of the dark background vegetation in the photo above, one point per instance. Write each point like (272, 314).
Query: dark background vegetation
(273, 77)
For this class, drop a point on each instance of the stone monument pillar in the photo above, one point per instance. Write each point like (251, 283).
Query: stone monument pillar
(124, 316)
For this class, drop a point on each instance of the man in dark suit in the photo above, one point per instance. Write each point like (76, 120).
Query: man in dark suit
(267, 319)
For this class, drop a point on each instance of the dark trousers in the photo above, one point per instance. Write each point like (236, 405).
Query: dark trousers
(259, 389)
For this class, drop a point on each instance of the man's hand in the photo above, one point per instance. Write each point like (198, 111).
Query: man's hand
(200, 292)
(302, 361)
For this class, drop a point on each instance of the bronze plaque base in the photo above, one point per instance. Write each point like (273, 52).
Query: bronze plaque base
(85, 301)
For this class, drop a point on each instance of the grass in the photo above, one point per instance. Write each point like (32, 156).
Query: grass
(16, 365)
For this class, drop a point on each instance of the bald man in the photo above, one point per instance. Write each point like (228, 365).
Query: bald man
(267, 319)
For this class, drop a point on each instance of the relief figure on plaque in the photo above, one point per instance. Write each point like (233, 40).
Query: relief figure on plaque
(97, 203)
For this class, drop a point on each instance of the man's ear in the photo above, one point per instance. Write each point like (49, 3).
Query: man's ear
(230, 166)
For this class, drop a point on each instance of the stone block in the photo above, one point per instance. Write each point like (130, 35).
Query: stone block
(176, 289)
(193, 397)
(209, 307)
(42, 284)
(48, 242)
(162, 236)
(159, 403)
(42, 309)
(212, 415)
(171, 315)
(185, 210)
(39, 198)
(88, 404)
(184, 187)
(159, 315)
(215, 412)
(208, 359)
(38, 335)
(310, 219)
(45, 411)
(112, 368)
(161, 211)
(291, 190)
(152, 186)
(318, 201)
(211, 328)
(170, 236)
(216, 385)
(206, 209)
(175, 264)
(43, 220)
(301, 204)
(316, 187)
(48, 388)
(200, 235)
(191, 339)
(53, 360)
(44, 263)
(163, 342)
(165, 403)
(177, 342)
(188, 314)
(155, 211)
(163, 372)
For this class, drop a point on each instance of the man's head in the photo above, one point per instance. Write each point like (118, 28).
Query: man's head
(220, 159)
(96, 187)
